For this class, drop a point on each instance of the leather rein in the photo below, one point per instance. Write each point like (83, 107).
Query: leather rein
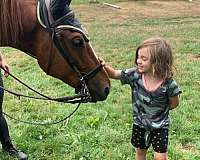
(83, 95)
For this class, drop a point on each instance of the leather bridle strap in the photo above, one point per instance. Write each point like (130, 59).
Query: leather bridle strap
(93, 72)
(64, 54)
(53, 28)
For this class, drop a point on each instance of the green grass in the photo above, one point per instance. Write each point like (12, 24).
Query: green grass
(97, 1)
(103, 130)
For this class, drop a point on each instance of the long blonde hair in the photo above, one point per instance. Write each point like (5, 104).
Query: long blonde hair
(161, 56)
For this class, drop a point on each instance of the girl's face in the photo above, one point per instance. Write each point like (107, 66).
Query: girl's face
(143, 61)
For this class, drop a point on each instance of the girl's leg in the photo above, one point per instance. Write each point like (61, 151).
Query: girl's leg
(138, 141)
(160, 143)
(140, 154)
(160, 156)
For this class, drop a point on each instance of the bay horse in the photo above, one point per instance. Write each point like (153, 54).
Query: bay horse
(62, 52)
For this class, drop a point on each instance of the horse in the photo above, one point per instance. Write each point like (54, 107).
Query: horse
(62, 52)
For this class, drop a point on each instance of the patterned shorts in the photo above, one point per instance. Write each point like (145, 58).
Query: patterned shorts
(158, 139)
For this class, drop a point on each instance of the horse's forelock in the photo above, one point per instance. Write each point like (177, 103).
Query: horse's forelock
(11, 21)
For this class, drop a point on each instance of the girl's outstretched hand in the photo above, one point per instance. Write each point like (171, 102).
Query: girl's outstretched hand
(101, 61)
(112, 73)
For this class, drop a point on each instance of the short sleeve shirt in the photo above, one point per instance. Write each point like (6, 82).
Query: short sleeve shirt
(150, 109)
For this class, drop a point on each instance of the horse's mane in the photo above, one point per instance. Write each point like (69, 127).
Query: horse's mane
(10, 21)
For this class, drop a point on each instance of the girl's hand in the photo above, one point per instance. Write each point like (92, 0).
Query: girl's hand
(106, 66)
(112, 73)
(101, 61)
(174, 102)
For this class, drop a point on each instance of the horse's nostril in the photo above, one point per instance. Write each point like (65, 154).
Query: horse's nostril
(107, 90)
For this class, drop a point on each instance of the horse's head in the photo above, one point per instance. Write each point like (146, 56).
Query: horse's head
(67, 54)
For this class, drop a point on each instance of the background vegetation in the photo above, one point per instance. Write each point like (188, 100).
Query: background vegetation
(103, 130)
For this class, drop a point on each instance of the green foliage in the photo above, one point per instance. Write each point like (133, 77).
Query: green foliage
(103, 130)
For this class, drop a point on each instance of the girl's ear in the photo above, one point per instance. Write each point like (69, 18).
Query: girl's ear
(153, 69)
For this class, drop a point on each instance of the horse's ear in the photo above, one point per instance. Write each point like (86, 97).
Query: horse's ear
(68, 2)
(59, 8)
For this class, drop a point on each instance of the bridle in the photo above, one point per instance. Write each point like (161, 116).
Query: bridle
(53, 28)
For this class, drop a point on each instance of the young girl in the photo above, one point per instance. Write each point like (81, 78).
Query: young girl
(154, 93)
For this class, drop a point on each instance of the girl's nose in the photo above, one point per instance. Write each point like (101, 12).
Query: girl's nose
(138, 61)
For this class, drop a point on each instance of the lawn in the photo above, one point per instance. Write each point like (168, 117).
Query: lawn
(102, 131)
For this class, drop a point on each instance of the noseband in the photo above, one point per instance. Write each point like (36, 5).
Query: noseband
(53, 27)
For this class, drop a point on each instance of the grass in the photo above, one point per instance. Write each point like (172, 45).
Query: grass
(103, 130)
(95, 1)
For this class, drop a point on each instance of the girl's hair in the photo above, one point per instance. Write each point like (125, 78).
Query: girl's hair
(161, 57)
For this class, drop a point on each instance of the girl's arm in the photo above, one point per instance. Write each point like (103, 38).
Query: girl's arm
(112, 73)
(174, 102)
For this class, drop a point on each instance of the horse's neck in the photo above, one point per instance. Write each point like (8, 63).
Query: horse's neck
(17, 31)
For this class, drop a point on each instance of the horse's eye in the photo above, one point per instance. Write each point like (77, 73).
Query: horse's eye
(78, 42)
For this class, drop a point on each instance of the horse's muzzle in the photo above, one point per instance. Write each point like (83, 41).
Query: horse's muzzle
(96, 94)
(99, 95)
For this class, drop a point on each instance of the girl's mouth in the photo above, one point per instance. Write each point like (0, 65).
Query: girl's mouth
(139, 67)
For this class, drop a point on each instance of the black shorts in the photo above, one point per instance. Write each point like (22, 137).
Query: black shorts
(158, 139)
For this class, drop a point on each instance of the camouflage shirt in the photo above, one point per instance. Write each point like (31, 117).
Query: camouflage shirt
(150, 109)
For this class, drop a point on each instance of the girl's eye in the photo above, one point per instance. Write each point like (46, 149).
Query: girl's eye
(144, 59)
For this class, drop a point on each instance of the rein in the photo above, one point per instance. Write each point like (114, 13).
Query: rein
(44, 124)
(70, 99)
(53, 27)
(67, 99)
